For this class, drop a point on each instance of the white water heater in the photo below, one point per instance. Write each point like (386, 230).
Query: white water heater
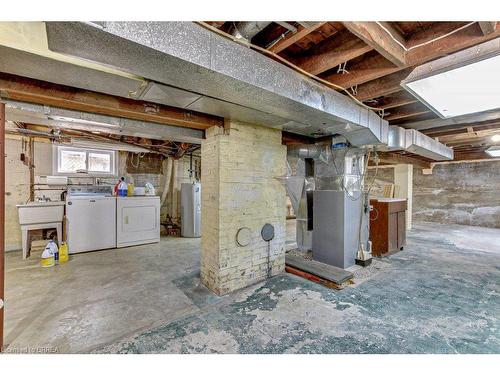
(191, 210)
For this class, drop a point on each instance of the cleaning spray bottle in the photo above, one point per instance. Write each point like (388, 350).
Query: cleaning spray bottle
(122, 188)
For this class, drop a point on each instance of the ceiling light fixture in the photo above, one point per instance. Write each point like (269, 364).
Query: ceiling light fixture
(462, 83)
(494, 151)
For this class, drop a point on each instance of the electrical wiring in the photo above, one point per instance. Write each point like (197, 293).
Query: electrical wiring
(424, 43)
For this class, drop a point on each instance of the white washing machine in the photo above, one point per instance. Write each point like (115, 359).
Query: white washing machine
(137, 220)
(90, 219)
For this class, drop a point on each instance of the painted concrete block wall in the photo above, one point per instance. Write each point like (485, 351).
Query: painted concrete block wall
(17, 184)
(240, 190)
(17, 191)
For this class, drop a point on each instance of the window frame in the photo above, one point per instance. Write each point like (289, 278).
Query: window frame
(56, 158)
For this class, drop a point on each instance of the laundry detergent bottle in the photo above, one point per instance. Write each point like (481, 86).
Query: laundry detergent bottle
(122, 188)
(63, 253)
(48, 256)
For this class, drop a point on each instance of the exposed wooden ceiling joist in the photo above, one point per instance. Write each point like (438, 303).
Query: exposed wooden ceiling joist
(368, 69)
(467, 37)
(39, 92)
(382, 37)
(461, 128)
(488, 27)
(406, 111)
(471, 155)
(292, 38)
(332, 52)
(383, 86)
(396, 100)
(392, 158)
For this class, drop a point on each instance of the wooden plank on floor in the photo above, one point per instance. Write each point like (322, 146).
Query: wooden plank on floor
(321, 270)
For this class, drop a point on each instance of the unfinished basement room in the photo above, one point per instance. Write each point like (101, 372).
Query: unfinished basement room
(250, 187)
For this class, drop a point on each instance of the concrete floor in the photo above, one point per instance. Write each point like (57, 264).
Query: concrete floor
(439, 295)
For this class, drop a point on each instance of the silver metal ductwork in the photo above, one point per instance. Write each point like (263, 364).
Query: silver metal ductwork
(248, 29)
(410, 140)
(223, 77)
(423, 145)
(69, 119)
(185, 65)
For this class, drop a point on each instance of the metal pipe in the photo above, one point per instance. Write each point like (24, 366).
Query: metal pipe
(310, 151)
(31, 161)
(248, 29)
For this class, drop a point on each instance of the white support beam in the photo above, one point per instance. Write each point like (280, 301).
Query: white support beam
(403, 181)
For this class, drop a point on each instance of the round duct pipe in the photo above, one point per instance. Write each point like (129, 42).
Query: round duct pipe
(310, 151)
(248, 29)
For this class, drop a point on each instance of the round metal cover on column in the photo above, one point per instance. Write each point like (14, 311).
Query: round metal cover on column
(243, 236)
(267, 232)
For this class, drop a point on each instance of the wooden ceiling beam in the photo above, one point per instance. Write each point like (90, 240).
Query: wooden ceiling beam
(488, 27)
(368, 69)
(394, 101)
(382, 37)
(410, 110)
(472, 141)
(392, 158)
(333, 51)
(383, 86)
(377, 66)
(40, 92)
(462, 39)
(462, 128)
(471, 155)
(468, 135)
(292, 38)
(288, 138)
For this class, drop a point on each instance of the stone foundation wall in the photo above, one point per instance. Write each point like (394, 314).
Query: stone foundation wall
(462, 193)
(457, 193)
(240, 190)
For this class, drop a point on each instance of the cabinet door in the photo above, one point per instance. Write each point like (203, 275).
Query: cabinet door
(401, 229)
(393, 231)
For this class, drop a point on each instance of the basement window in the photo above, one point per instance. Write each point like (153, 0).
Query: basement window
(73, 161)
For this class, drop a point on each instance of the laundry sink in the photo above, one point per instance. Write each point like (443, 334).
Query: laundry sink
(40, 212)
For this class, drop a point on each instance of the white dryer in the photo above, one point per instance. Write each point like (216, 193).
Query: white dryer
(137, 220)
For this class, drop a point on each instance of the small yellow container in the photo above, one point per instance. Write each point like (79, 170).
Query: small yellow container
(63, 253)
(130, 190)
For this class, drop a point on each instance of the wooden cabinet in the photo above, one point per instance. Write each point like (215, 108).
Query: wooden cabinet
(387, 225)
